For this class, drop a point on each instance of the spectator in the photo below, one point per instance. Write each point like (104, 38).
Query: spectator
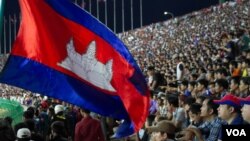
(58, 131)
(163, 131)
(234, 86)
(34, 135)
(245, 110)
(8, 120)
(221, 86)
(175, 113)
(244, 87)
(229, 111)
(6, 132)
(194, 114)
(88, 129)
(23, 134)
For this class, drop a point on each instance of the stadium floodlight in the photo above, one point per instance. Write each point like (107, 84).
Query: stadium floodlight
(169, 13)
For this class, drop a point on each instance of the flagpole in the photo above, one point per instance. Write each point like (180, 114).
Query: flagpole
(83, 4)
(132, 22)
(2, 3)
(90, 7)
(4, 35)
(10, 35)
(141, 14)
(114, 16)
(106, 13)
(97, 9)
(123, 16)
(15, 22)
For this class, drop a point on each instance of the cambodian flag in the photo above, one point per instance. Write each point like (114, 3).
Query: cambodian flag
(63, 52)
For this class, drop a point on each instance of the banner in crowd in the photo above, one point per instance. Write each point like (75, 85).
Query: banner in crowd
(61, 51)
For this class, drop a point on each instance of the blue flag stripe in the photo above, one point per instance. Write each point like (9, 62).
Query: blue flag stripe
(60, 86)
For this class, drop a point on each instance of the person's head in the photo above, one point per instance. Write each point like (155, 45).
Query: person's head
(245, 63)
(221, 73)
(181, 101)
(173, 102)
(209, 108)
(200, 99)
(229, 107)
(85, 112)
(221, 85)
(58, 128)
(6, 132)
(23, 134)
(51, 111)
(233, 65)
(44, 105)
(191, 85)
(195, 112)
(163, 130)
(59, 109)
(245, 110)
(244, 84)
(8, 120)
(184, 85)
(210, 75)
(202, 84)
(188, 102)
(211, 87)
(150, 70)
(31, 109)
(176, 58)
(234, 84)
(28, 115)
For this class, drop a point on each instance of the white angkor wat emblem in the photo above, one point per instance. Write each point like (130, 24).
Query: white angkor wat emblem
(87, 67)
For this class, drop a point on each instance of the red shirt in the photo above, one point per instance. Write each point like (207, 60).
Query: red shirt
(89, 129)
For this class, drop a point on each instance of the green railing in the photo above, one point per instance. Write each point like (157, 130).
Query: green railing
(12, 109)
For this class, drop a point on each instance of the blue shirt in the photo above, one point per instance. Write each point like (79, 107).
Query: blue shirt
(187, 93)
(238, 120)
(211, 129)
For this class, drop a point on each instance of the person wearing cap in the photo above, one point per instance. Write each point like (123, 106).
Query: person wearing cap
(163, 131)
(88, 129)
(60, 116)
(23, 134)
(43, 123)
(229, 110)
(245, 110)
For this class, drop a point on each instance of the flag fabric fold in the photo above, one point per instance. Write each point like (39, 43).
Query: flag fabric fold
(63, 52)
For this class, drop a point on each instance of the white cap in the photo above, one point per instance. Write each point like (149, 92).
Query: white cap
(23, 133)
(45, 98)
(59, 108)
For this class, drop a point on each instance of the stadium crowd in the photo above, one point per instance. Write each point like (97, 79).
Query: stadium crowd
(198, 70)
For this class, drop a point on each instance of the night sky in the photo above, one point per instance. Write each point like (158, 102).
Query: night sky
(152, 10)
